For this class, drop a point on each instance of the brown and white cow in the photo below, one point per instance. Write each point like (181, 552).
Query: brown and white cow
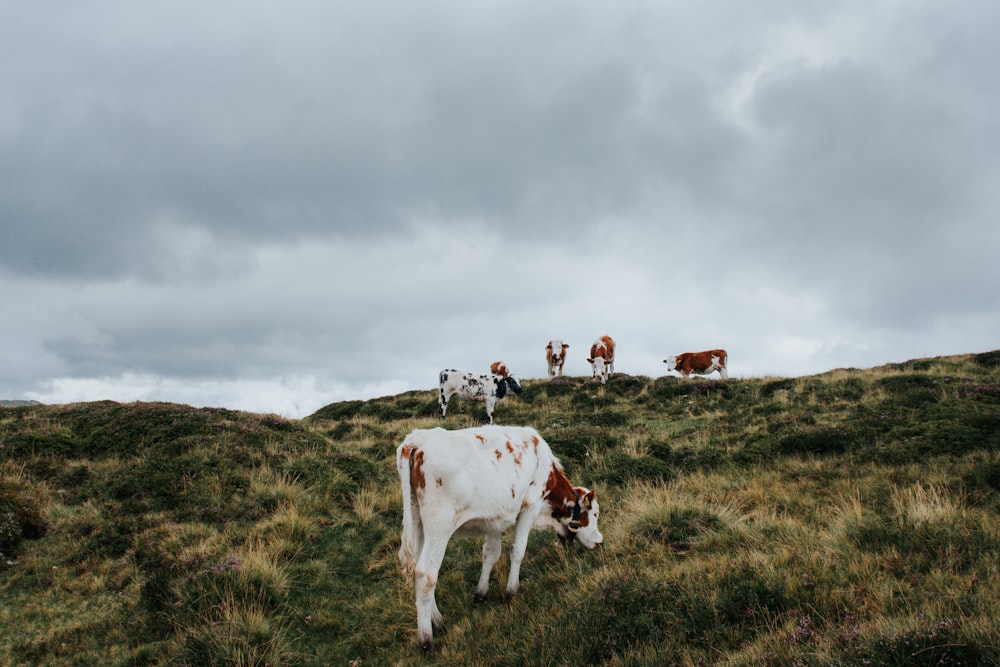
(555, 356)
(499, 368)
(489, 388)
(699, 363)
(482, 481)
(602, 358)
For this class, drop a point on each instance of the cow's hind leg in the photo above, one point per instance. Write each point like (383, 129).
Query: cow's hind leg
(491, 554)
(442, 403)
(437, 531)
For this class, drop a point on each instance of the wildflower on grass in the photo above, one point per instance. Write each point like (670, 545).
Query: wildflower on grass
(230, 563)
(803, 630)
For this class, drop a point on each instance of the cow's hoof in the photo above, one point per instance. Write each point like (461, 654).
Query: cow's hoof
(478, 599)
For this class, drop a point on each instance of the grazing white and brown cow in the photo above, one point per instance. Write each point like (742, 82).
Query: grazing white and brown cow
(482, 481)
(602, 358)
(555, 356)
(499, 368)
(489, 388)
(699, 363)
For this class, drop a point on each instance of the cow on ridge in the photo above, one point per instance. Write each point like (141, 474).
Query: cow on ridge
(555, 356)
(489, 388)
(482, 481)
(699, 363)
(602, 358)
(499, 368)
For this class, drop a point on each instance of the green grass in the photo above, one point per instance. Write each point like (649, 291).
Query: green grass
(846, 518)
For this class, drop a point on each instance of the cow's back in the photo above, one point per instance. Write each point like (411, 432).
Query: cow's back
(603, 347)
(490, 470)
(700, 361)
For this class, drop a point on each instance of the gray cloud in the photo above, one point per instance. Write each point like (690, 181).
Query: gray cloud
(331, 199)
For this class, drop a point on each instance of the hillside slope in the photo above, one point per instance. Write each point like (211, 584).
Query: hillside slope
(834, 519)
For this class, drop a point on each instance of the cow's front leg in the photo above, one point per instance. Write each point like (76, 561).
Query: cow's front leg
(490, 404)
(521, 529)
(491, 554)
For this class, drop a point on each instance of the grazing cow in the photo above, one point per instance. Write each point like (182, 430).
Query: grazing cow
(482, 481)
(489, 388)
(602, 358)
(699, 363)
(555, 355)
(499, 368)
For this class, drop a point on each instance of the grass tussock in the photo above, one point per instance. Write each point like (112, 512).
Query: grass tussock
(847, 518)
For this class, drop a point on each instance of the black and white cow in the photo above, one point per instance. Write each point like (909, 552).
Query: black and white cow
(488, 387)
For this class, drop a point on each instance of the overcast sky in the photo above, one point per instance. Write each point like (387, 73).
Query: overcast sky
(274, 206)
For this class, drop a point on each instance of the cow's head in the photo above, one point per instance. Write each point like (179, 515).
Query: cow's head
(512, 384)
(581, 525)
(671, 363)
(600, 367)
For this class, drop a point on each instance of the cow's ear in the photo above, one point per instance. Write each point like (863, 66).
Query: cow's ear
(590, 360)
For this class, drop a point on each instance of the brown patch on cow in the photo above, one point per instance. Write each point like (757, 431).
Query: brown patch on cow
(698, 362)
(513, 493)
(417, 480)
(440, 482)
(498, 453)
(603, 347)
(559, 492)
(499, 368)
(510, 447)
(405, 452)
(481, 438)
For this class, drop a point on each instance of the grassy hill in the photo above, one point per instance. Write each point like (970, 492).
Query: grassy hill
(841, 518)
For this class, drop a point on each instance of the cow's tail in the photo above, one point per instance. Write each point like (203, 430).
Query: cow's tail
(412, 527)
